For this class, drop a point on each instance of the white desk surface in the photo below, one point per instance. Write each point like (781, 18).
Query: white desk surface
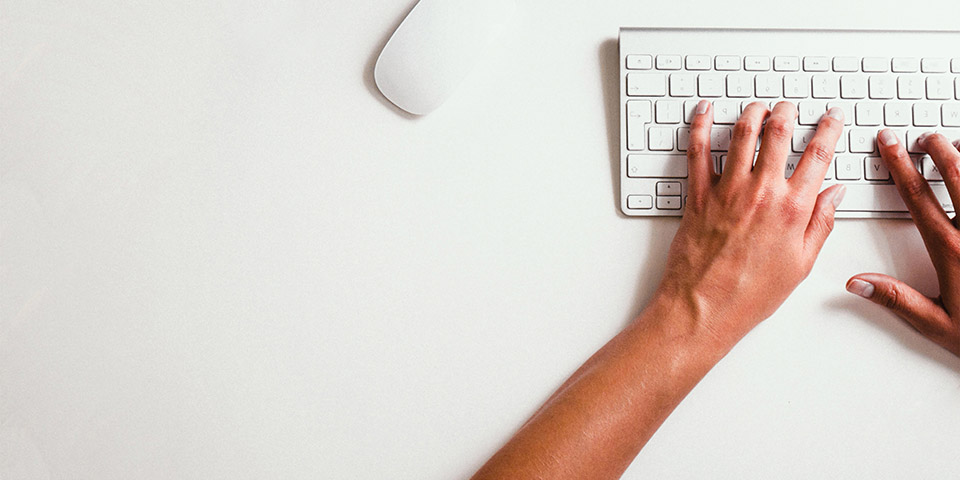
(225, 256)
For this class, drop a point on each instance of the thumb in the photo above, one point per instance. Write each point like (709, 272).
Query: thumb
(821, 219)
(918, 310)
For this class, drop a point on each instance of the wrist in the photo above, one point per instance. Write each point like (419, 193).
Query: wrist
(688, 323)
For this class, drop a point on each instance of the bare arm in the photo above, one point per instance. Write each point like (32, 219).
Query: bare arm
(747, 239)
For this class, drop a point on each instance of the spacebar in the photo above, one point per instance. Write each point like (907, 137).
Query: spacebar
(884, 198)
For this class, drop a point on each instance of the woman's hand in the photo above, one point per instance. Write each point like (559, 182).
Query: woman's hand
(936, 318)
(749, 236)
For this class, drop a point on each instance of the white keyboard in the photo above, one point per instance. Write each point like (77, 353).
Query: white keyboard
(906, 81)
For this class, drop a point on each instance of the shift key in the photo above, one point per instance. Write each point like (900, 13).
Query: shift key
(656, 166)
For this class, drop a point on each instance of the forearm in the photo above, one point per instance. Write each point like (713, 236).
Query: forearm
(598, 421)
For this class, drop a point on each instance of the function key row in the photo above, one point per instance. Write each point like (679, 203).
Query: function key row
(758, 63)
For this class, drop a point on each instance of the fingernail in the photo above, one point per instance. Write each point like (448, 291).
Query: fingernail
(838, 196)
(956, 144)
(887, 138)
(702, 107)
(835, 113)
(859, 287)
(922, 138)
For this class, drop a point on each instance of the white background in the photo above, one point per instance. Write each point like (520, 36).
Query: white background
(224, 255)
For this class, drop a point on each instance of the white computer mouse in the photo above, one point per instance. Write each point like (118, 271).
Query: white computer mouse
(435, 47)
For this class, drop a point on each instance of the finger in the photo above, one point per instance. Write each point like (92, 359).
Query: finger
(699, 159)
(924, 207)
(777, 140)
(947, 159)
(818, 156)
(743, 145)
(821, 221)
(918, 310)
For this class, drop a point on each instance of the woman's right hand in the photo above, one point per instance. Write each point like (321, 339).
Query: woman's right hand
(936, 318)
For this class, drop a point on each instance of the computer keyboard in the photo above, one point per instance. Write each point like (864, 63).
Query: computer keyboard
(908, 81)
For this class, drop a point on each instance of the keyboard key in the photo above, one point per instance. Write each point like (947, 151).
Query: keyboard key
(847, 108)
(926, 114)
(811, 111)
(882, 87)
(796, 85)
(668, 189)
(934, 65)
(929, 169)
(689, 110)
(720, 139)
(853, 86)
(939, 87)
(683, 139)
(869, 114)
(660, 139)
(739, 85)
(639, 62)
(841, 146)
(875, 170)
(951, 115)
(668, 62)
(826, 86)
(848, 167)
(639, 202)
(816, 64)
(910, 87)
(638, 116)
(656, 166)
(791, 165)
(683, 84)
(881, 198)
(786, 64)
(668, 203)
(755, 63)
(862, 140)
(710, 84)
(768, 85)
(698, 62)
(906, 64)
(896, 114)
(727, 62)
(951, 133)
(668, 111)
(955, 65)
(801, 138)
(646, 85)
(846, 64)
(876, 64)
(725, 112)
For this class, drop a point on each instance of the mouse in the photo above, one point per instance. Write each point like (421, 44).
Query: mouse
(435, 47)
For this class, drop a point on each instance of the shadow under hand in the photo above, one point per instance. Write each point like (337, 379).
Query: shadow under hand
(662, 229)
(370, 81)
(609, 56)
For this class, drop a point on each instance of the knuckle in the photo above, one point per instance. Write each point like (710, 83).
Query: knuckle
(745, 130)
(696, 150)
(912, 188)
(820, 152)
(950, 170)
(779, 129)
(892, 297)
